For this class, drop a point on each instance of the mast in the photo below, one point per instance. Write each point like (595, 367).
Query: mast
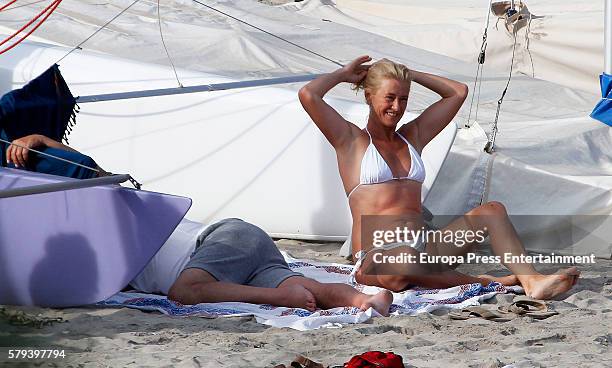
(198, 88)
(64, 185)
(608, 37)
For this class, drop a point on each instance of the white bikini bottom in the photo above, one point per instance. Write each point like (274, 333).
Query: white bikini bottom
(418, 245)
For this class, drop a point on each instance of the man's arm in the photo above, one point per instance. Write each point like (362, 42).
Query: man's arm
(18, 151)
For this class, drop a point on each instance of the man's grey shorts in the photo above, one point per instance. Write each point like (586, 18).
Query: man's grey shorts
(235, 251)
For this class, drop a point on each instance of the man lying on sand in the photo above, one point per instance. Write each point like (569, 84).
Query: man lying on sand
(234, 261)
(228, 261)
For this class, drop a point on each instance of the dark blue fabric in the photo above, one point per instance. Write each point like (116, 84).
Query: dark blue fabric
(3, 147)
(48, 165)
(43, 106)
(603, 110)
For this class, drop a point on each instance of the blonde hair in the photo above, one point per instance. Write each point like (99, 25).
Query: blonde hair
(381, 70)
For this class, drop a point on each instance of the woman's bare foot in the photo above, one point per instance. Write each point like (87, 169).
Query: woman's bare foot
(509, 280)
(296, 296)
(549, 286)
(380, 302)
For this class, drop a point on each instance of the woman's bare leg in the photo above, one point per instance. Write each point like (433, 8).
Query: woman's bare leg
(493, 219)
(401, 276)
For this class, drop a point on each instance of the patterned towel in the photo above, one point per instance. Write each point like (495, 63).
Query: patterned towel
(409, 302)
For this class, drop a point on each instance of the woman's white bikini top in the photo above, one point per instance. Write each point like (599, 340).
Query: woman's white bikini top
(374, 168)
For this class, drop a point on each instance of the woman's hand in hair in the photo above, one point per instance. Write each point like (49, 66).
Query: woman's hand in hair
(355, 71)
(339, 132)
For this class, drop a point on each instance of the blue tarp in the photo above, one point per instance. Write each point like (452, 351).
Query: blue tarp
(603, 110)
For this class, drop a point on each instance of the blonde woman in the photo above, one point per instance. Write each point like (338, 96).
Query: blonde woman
(382, 174)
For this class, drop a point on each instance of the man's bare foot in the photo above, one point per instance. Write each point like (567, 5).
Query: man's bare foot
(296, 296)
(380, 302)
(510, 280)
(549, 286)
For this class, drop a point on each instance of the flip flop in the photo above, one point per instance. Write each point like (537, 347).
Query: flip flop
(526, 306)
(481, 312)
(301, 361)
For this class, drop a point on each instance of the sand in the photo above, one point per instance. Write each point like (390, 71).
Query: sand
(580, 336)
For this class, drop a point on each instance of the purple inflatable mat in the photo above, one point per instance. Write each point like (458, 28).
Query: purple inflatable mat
(79, 246)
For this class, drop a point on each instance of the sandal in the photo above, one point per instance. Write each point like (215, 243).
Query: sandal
(526, 306)
(301, 361)
(481, 312)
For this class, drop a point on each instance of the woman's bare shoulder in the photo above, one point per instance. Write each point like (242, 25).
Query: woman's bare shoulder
(410, 131)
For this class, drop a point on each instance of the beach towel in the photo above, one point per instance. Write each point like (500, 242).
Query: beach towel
(410, 302)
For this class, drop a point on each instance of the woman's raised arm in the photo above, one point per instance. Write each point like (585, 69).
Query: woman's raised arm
(334, 127)
(437, 116)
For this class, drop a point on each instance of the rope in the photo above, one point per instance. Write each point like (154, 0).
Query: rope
(477, 79)
(7, 4)
(161, 34)
(479, 68)
(527, 42)
(490, 146)
(50, 9)
(269, 33)
(30, 22)
(478, 98)
(96, 32)
(21, 6)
